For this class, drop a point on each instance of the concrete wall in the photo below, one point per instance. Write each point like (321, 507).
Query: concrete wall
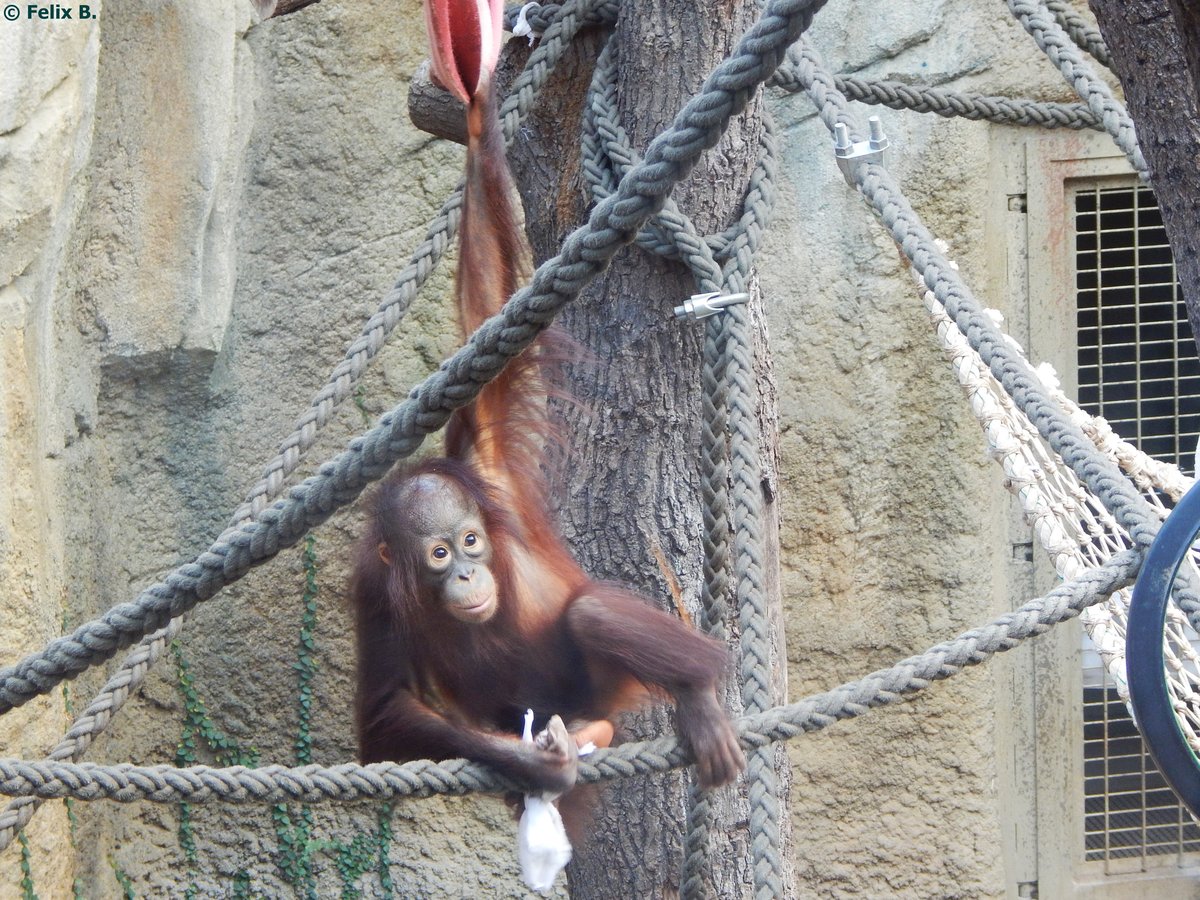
(197, 211)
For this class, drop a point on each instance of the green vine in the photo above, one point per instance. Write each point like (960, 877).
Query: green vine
(27, 891)
(241, 885)
(360, 400)
(306, 661)
(293, 824)
(352, 860)
(383, 843)
(199, 725)
(72, 831)
(199, 728)
(295, 838)
(126, 883)
(295, 849)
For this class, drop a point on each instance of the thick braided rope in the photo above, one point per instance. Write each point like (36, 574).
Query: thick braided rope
(341, 383)
(728, 404)
(754, 640)
(697, 858)
(1036, 19)
(805, 65)
(1148, 473)
(1011, 369)
(1103, 479)
(17, 814)
(746, 474)
(542, 17)
(312, 784)
(714, 587)
(949, 104)
(1080, 30)
(607, 156)
(585, 253)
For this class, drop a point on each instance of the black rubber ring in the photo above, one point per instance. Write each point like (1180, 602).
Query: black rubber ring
(1144, 659)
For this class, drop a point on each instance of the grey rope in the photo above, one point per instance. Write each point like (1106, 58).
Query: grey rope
(715, 587)
(757, 696)
(17, 814)
(728, 404)
(607, 156)
(1011, 369)
(977, 107)
(312, 784)
(1080, 30)
(1036, 19)
(339, 481)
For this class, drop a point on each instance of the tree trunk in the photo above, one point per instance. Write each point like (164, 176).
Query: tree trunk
(1187, 22)
(630, 496)
(1150, 50)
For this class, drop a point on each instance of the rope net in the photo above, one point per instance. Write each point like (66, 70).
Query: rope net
(1076, 531)
(1093, 500)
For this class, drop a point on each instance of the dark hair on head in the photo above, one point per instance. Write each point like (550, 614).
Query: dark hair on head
(391, 506)
(391, 510)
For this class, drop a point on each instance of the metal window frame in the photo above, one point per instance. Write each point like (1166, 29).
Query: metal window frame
(1034, 267)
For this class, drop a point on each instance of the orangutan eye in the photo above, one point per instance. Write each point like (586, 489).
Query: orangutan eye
(470, 539)
(440, 553)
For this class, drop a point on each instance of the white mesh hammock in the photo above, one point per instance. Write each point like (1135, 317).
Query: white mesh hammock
(1075, 529)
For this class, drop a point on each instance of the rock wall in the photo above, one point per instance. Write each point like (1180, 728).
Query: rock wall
(197, 212)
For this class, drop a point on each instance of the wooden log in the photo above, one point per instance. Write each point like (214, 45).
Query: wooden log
(434, 109)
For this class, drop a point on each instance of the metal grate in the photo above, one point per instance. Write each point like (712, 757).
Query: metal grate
(1137, 360)
(1139, 369)
(1129, 811)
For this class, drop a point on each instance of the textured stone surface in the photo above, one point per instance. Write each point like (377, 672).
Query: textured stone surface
(198, 213)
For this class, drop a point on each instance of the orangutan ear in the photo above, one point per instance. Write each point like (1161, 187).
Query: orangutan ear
(383, 554)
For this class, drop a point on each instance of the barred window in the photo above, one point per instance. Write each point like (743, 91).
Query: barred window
(1138, 368)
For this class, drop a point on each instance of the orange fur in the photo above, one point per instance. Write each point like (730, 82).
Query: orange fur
(431, 684)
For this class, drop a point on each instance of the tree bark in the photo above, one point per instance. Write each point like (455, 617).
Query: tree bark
(1151, 52)
(630, 495)
(1187, 22)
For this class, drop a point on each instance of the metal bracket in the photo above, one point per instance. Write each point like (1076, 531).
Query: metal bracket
(521, 27)
(851, 155)
(701, 306)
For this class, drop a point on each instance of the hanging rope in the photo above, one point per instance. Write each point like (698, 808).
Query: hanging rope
(729, 451)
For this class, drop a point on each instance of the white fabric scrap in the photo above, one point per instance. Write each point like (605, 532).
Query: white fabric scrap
(542, 846)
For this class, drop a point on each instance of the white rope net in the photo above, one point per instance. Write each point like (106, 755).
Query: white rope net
(1075, 530)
